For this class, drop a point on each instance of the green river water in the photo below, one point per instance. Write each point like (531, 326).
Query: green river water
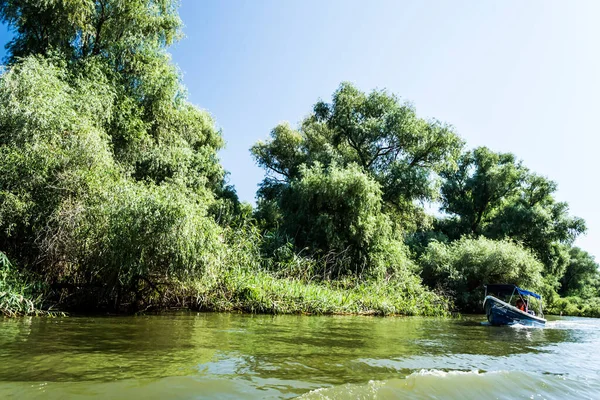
(211, 355)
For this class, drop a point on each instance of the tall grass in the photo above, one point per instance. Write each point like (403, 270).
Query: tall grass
(262, 292)
(247, 281)
(16, 295)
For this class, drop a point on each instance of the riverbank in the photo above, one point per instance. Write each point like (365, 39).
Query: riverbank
(263, 293)
(256, 291)
(575, 306)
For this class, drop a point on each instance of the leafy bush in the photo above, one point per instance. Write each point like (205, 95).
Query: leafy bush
(582, 275)
(575, 306)
(335, 214)
(333, 226)
(461, 268)
(52, 150)
(72, 210)
(131, 238)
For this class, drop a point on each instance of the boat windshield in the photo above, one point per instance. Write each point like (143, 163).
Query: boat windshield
(510, 289)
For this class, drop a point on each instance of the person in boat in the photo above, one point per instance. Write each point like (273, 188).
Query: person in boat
(521, 305)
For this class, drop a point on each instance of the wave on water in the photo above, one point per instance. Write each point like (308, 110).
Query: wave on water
(515, 326)
(521, 326)
(567, 324)
(557, 324)
(439, 384)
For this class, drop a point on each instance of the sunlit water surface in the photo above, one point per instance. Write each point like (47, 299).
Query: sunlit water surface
(197, 356)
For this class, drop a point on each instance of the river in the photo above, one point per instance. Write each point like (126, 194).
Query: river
(212, 355)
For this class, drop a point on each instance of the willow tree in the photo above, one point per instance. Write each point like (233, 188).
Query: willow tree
(383, 159)
(582, 275)
(494, 195)
(380, 134)
(156, 134)
(108, 174)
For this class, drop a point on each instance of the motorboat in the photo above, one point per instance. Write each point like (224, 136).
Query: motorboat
(506, 304)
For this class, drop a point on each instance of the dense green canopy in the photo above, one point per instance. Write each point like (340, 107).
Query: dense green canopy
(352, 175)
(377, 133)
(109, 176)
(582, 276)
(494, 195)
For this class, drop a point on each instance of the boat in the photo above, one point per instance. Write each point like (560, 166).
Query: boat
(503, 312)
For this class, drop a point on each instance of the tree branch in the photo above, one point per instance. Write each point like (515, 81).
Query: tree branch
(101, 20)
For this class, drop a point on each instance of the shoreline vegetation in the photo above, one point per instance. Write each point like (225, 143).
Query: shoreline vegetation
(113, 198)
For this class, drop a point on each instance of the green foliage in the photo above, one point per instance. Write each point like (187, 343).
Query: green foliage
(479, 186)
(418, 241)
(335, 211)
(261, 292)
(154, 132)
(136, 233)
(123, 30)
(52, 149)
(110, 180)
(376, 132)
(493, 195)
(333, 216)
(582, 276)
(341, 189)
(576, 306)
(16, 294)
(247, 281)
(387, 139)
(464, 266)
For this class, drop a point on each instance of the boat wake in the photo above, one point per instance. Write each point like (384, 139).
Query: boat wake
(566, 324)
(474, 384)
(521, 326)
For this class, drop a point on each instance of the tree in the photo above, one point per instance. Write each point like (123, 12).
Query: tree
(376, 132)
(155, 133)
(109, 177)
(122, 31)
(478, 187)
(495, 196)
(582, 273)
(335, 213)
(535, 218)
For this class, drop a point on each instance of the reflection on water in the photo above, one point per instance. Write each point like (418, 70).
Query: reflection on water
(218, 355)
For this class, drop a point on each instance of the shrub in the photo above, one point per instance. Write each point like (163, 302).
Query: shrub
(575, 306)
(335, 213)
(463, 267)
(130, 239)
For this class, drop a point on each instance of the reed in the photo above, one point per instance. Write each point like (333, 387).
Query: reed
(16, 295)
(262, 292)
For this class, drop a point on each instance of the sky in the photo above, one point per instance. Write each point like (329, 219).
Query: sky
(515, 76)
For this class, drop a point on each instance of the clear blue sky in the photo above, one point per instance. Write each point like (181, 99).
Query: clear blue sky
(516, 76)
